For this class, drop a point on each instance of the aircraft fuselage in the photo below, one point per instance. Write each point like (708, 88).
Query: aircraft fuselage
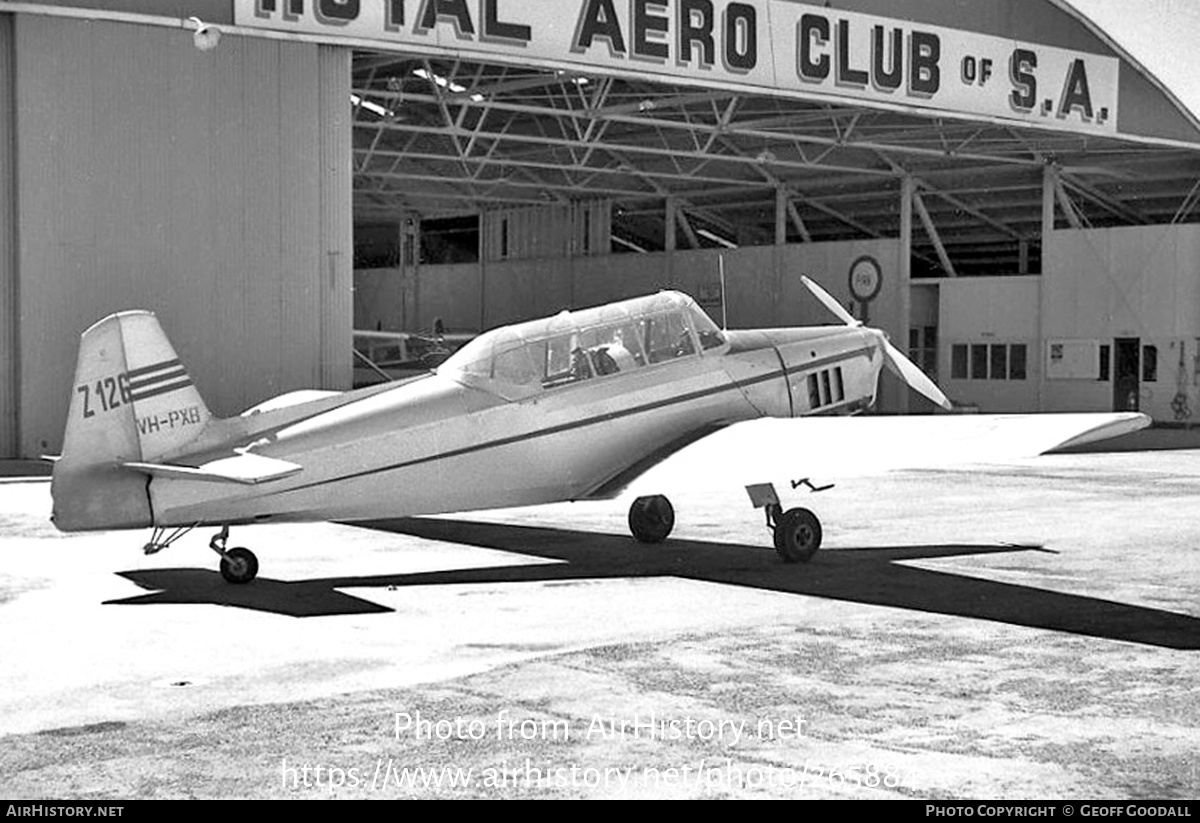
(443, 444)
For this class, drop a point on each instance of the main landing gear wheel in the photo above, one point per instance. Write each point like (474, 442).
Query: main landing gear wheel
(651, 519)
(239, 565)
(797, 535)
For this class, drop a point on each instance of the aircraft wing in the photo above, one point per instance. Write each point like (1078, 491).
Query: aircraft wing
(771, 450)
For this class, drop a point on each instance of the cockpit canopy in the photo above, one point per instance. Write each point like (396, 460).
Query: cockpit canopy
(520, 360)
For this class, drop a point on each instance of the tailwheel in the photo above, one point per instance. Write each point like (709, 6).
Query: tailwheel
(239, 565)
(651, 519)
(797, 535)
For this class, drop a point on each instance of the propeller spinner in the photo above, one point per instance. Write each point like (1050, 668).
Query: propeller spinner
(900, 365)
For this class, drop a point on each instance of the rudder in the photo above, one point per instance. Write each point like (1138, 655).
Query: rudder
(132, 400)
(168, 410)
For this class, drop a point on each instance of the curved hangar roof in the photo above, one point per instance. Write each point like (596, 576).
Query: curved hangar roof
(737, 109)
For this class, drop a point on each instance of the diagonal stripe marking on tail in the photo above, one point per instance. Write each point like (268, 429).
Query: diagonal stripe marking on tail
(144, 370)
(158, 379)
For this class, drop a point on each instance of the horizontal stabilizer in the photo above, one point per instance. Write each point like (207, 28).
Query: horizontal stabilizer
(247, 469)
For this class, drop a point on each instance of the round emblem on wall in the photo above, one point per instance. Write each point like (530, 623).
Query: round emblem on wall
(866, 278)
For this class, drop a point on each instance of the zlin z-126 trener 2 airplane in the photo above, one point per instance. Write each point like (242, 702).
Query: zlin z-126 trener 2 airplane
(571, 407)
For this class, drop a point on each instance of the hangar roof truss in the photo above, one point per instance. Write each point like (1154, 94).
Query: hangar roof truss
(440, 137)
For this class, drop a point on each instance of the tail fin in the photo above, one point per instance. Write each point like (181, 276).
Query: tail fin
(132, 401)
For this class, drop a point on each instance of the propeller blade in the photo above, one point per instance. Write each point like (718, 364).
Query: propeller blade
(916, 379)
(900, 365)
(830, 302)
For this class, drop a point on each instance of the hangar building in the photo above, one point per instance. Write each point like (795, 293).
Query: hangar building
(995, 182)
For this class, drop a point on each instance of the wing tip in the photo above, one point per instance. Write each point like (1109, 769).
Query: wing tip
(1113, 426)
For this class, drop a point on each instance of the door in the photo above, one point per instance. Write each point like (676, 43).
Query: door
(1126, 385)
(923, 350)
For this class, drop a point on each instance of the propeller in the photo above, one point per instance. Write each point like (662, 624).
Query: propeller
(899, 365)
(830, 302)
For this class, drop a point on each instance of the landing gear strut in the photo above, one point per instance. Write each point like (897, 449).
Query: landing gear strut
(163, 536)
(651, 519)
(238, 565)
(797, 531)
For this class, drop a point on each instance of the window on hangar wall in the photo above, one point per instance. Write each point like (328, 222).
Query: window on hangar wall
(989, 361)
(450, 239)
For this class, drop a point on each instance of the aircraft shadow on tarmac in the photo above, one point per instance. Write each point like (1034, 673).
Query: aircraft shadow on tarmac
(871, 576)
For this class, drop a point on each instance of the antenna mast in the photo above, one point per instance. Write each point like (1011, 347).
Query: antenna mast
(724, 315)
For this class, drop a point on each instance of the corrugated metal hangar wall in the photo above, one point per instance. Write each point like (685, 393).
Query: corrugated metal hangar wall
(8, 248)
(214, 192)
